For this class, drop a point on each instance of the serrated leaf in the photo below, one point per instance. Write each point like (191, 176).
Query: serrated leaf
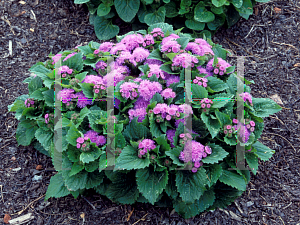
(191, 210)
(56, 187)
(174, 153)
(162, 141)
(223, 118)
(212, 125)
(94, 179)
(77, 181)
(104, 28)
(129, 159)
(171, 188)
(87, 157)
(151, 183)
(155, 54)
(156, 17)
(92, 166)
(199, 92)
(123, 188)
(218, 154)
(72, 135)
(136, 131)
(75, 62)
(40, 70)
(216, 84)
(262, 151)
(191, 185)
(214, 172)
(73, 153)
(127, 9)
(44, 137)
(154, 127)
(76, 168)
(49, 97)
(232, 179)
(263, 107)
(35, 84)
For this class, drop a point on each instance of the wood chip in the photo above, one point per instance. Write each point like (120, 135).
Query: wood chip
(22, 2)
(22, 219)
(31, 29)
(6, 218)
(277, 10)
(39, 167)
(297, 65)
(109, 210)
(277, 99)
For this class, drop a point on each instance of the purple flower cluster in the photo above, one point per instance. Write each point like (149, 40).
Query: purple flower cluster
(139, 55)
(163, 111)
(243, 132)
(157, 33)
(185, 137)
(66, 95)
(95, 137)
(185, 109)
(246, 97)
(106, 46)
(100, 65)
(145, 146)
(184, 60)
(171, 37)
(170, 46)
(129, 90)
(118, 73)
(29, 102)
(194, 152)
(138, 112)
(168, 93)
(220, 68)
(200, 81)
(148, 40)
(69, 56)
(155, 69)
(132, 41)
(204, 71)
(100, 89)
(170, 135)
(65, 70)
(147, 89)
(82, 100)
(92, 79)
(172, 79)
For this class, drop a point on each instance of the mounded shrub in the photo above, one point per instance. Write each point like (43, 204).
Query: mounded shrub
(194, 15)
(159, 159)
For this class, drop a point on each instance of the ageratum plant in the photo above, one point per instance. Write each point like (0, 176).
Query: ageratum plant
(159, 159)
(194, 15)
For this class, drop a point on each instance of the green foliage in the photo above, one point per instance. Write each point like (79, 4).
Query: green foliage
(195, 15)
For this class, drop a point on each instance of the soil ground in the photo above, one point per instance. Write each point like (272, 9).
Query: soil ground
(269, 40)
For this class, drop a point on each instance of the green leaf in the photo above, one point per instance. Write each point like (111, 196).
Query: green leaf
(252, 161)
(35, 84)
(218, 22)
(201, 14)
(104, 28)
(151, 183)
(212, 125)
(123, 188)
(171, 10)
(214, 172)
(44, 137)
(94, 179)
(165, 27)
(91, 166)
(162, 141)
(72, 135)
(76, 182)
(263, 107)
(157, 97)
(219, 51)
(24, 135)
(41, 149)
(183, 41)
(19, 103)
(56, 187)
(127, 9)
(232, 179)
(154, 127)
(174, 153)
(81, 1)
(155, 54)
(136, 131)
(191, 210)
(218, 3)
(40, 71)
(87, 89)
(259, 127)
(120, 141)
(87, 157)
(81, 76)
(155, 17)
(76, 168)
(262, 151)
(216, 84)
(129, 159)
(216, 10)
(237, 3)
(191, 185)
(223, 118)
(37, 94)
(49, 97)
(246, 8)
(167, 68)
(199, 92)
(86, 49)
(194, 25)
(75, 62)
(232, 16)
(218, 154)
(171, 188)
(103, 10)
(73, 153)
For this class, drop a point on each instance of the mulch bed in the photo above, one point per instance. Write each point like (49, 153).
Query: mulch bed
(270, 42)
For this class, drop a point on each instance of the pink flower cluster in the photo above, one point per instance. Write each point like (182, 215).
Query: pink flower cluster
(194, 152)
(69, 56)
(139, 55)
(171, 37)
(157, 32)
(186, 109)
(145, 146)
(100, 89)
(29, 102)
(56, 58)
(200, 81)
(148, 40)
(106, 46)
(163, 111)
(83, 144)
(118, 73)
(147, 89)
(228, 130)
(132, 41)
(206, 104)
(92, 79)
(185, 137)
(168, 93)
(66, 95)
(138, 112)
(170, 46)
(100, 65)
(82, 100)
(47, 118)
(204, 71)
(220, 68)
(93, 136)
(155, 69)
(65, 70)
(184, 60)
(129, 90)
(170, 135)
(172, 79)
(246, 97)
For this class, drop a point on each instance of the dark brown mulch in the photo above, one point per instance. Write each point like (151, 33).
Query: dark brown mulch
(271, 43)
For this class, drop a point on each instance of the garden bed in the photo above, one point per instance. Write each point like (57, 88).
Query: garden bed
(269, 39)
